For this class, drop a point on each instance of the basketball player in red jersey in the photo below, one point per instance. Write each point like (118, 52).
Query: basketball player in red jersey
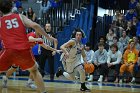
(33, 39)
(16, 46)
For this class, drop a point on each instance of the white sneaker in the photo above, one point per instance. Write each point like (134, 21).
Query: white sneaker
(133, 80)
(4, 82)
(120, 81)
(90, 78)
(100, 78)
(31, 85)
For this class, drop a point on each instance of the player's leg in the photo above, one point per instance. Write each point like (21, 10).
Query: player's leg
(30, 82)
(5, 62)
(25, 60)
(81, 71)
(37, 78)
(69, 68)
(8, 74)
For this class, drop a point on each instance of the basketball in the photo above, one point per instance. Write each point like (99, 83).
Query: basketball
(89, 67)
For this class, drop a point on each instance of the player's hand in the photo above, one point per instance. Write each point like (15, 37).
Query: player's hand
(53, 53)
(39, 40)
(58, 51)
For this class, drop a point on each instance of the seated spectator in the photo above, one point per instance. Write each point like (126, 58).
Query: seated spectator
(119, 45)
(21, 11)
(130, 14)
(17, 3)
(102, 39)
(130, 29)
(130, 58)
(121, 21)
(136, 41)
(132, 4)
(110, 36)
(116, 16)
(100, 61)
(114, 59)
(136, 69)
(134, 21)
(124, 40)
(31, 14)
(44, 8)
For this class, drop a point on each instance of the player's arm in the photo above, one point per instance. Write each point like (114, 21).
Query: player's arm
(47, 47)
(70, 43)
(32, 39)
(38, 29)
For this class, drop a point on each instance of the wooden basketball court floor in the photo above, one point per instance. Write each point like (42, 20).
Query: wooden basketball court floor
(61, 85)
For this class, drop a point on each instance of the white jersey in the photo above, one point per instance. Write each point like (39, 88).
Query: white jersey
(74, 52)
(74, 58)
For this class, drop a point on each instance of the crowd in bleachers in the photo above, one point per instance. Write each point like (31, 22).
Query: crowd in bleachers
(120, 48)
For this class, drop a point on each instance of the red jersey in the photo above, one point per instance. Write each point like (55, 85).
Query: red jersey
(13, 32)
(33, 35)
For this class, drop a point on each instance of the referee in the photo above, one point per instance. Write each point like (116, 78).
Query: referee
(47, 54)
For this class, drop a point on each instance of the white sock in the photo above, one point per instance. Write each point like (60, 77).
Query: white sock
(30, 81)
(67, 75)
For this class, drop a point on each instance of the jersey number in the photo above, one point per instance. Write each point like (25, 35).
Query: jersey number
(12, 23)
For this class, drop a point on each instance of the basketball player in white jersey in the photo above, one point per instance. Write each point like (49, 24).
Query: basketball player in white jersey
(71, 59)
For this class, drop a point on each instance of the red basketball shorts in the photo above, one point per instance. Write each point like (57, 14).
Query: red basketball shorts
(22, 58)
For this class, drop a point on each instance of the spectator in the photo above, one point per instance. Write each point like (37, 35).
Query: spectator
(17, 3)
(115, 17)
(130, 29)
(121, 22)
(132, 4)
(31, 14)
(102, 39)
(100, 61)
(130, 58)
(114, 59)
(136, 41)
(124, 40)
(44, 8)
(119, 45)
(21, 11)
(110, 36)
(131, 13)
